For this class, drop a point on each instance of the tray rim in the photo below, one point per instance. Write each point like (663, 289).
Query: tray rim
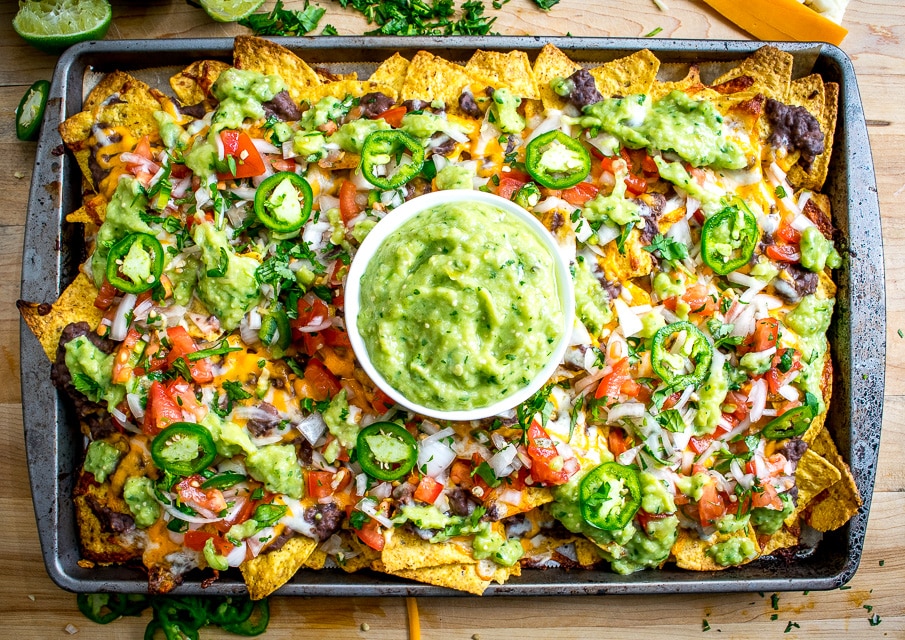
(44, 266)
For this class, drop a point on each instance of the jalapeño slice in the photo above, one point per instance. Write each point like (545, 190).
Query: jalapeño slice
(728, 238)
(386, 450)
(135, 263)
(183, 448)
(30, 111)
(609, 496)
(283, 202)
(672, 367)
(557, 161)
(383, 147)
(275, 329)
(792, 423)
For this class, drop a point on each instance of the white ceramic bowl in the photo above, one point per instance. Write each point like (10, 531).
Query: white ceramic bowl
(399, 217)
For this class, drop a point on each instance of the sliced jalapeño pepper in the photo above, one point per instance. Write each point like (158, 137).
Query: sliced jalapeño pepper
(275, 329)
(609, 496)
(672, 367)
(383, 147)
(254, 624)
(135, 263)
(386, 450)
(30, 111)
(792, 423)
(557, 161)
(728, 238)
(230, 610)
(183, 448)
(283, 202)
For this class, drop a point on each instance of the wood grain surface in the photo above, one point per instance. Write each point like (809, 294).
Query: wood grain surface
(31, 606)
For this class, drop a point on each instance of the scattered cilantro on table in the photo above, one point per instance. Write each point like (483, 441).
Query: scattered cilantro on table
(420, 18)
(286, 22)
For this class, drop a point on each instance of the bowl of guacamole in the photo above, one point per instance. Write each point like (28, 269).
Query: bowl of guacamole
(459, 305)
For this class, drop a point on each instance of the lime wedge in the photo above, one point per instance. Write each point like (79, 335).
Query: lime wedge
(230, 10)
(52, 26)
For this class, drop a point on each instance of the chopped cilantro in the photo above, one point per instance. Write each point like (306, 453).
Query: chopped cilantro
(285, 22)
(874, 620)
(705, 626)
(792, 625)
(667, 249)
(774, 601)
(419, 18)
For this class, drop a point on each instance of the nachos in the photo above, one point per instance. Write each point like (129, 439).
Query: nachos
(230, 426)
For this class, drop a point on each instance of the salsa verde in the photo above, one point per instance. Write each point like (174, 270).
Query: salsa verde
(460, 307)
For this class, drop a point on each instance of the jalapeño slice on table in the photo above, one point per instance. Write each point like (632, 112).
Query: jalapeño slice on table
(609, 496)
(557, 161)
(386, 450)
(30, 111)
(283, 202)
(671, 367)
(183, 449)
(728, 238)
(384, 147)
(135, 263)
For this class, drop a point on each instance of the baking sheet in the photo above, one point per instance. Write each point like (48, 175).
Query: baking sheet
(54, 249)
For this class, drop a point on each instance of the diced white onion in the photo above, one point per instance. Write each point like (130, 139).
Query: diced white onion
(501, 461)
(265, 147)
(686, 394)
(552, 122)
(361, 484)
(435, 457)
(381, 491)
(176, 513)
(121, 320)
(237, 556)
(788, 392)
(551, 203)
(758, 399)
(803, 199)
(288, 149)
(801, 222)
(370, 507)
(629, 322)
(510, 496)
(134, 402)
(625, 410)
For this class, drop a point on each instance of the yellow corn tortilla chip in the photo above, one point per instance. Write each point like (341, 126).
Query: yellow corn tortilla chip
(691, 552)
(326, 75)
(634, 263)
(343, 88)
(625, 76)
(430, 78)
(587, 552)
(391, 73)
(405, 550)
(813, 475)
(551, 63)
(264, 56)
(512, 70)
(816, 175)
(94, 211)
(782, 539)
(364, 555)
(532, 498)
(75, 304)
(462, 577)
(841, 501)
(690, 83)
(316, 560)
(771, 70)
(268, 572)
(193, 84)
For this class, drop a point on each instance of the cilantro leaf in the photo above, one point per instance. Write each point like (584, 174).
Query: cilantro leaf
(87, 387)
(671, 420)
(285, 22)
(721, 334)
(420, 18)
(667, 249)
(546, 5)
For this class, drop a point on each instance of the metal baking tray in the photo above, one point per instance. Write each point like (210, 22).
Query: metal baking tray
(54, 248)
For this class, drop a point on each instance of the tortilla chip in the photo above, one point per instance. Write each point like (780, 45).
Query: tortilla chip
(634, 263)
(268, 572)
(462, 577)
(816, 176)
(689, 84)
(532, 498)
(430, 78)
(75, 304)
(404, 551)
(587, 552)
(344, 88)
(327, 76)
(842, 501)
(771, 70)
(813, 475)
(512, 70)
(391, 72)
(782, 539)
(364, 555)
(316, 560)
(625, 76)
(94, 211)
(551, 63)
(691, 552)
(264, 56)
(193, 84)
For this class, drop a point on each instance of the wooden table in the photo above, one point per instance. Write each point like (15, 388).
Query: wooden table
(31, 606)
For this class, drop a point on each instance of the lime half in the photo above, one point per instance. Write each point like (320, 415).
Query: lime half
(230, 10)
(53, 25)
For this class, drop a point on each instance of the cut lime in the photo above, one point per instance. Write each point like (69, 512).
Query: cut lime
(230, 10)
(53, 25)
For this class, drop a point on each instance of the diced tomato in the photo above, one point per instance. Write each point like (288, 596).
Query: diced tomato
(649, 166)
(777, 379)
(767, 497)
(311, 311)
(788, 234)
(381, 402)
(320, 484)
(143, 148)
(183, 394)
(428, 490)
(699, 445)
(191, 493)
(334, 337)
(635, 184)
(751, 467)
(393, 117)
(460, 473)
(348, 206)
(181, 344)
(161, 410)
(338, 272)
(765, 336)
(105, 296)
(644, 517)
(238, 145)
(700, 301)
(671, 401)
(508, 186)
(740, 402)
(196, 540)
(311, 342)
(611, 384)
(711, 505)
(616, 441)
(783, 253)
(323, 383)
(122, 369)
(282, 164)
(580, 193)
(547, 465)
(371, 535)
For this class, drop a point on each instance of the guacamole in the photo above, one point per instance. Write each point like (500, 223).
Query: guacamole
(459, 307)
